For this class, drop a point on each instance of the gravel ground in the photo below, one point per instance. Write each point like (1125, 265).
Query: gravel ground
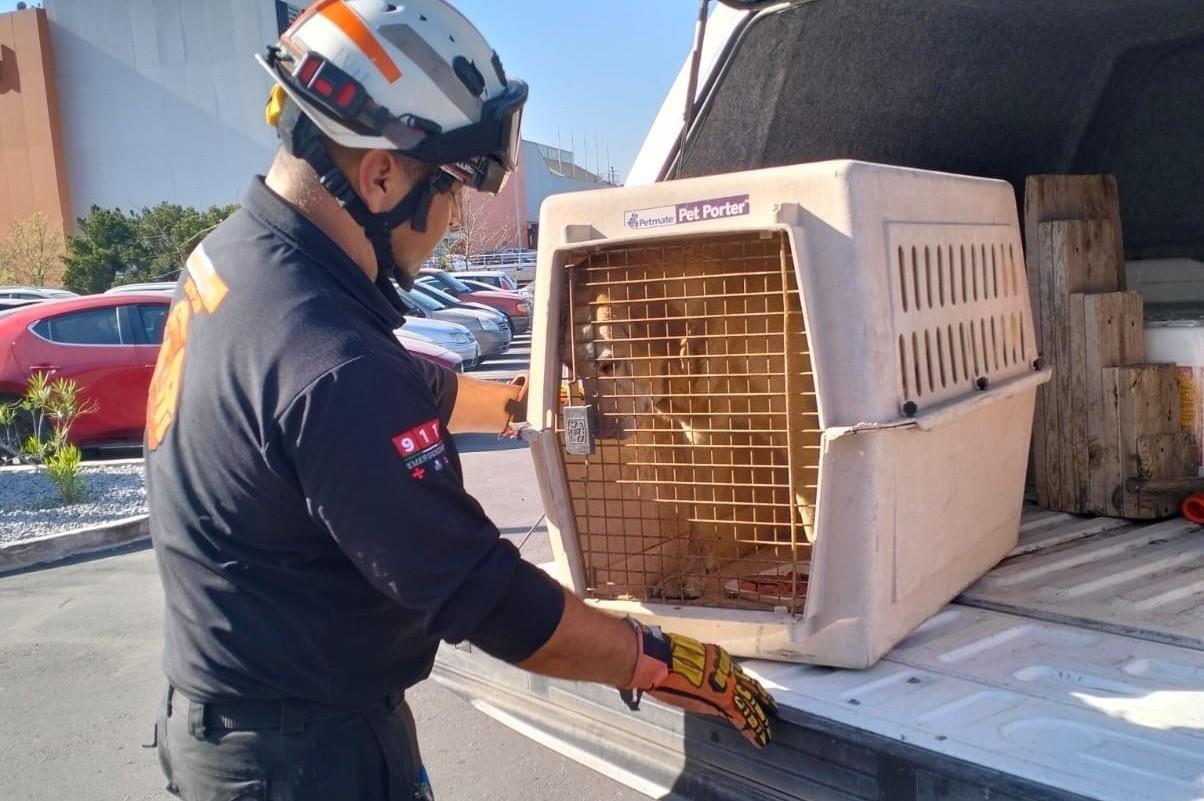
(29, 503)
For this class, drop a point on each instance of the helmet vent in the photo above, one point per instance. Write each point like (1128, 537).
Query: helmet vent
(469, 75)
(497, 67)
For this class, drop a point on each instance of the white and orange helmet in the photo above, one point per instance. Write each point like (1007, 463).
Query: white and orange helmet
(413, 76)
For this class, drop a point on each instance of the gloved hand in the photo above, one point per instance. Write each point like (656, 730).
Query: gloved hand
(701, 678)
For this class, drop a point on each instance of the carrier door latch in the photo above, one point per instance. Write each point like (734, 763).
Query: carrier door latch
(580, 429)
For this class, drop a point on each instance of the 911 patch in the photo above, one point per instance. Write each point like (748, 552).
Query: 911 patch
(422, 449)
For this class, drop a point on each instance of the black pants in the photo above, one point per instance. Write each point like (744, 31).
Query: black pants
(368, 754)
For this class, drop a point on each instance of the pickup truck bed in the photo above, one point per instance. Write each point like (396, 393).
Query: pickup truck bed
(1074, 670)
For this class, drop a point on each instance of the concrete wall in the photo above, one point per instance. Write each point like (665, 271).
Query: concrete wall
(518, 204)
(542, 182)
(32, 173)
(162, 99)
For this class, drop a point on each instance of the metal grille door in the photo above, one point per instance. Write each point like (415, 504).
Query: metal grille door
(695, 360)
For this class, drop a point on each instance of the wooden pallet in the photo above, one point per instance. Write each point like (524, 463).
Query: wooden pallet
(1107, 437)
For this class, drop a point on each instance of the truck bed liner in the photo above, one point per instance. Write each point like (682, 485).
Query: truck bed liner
(977, 705)
(1144, 581)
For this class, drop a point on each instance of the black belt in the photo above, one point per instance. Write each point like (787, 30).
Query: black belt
(289, 715)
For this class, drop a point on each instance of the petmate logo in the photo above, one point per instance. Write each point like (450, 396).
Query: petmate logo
(694, 211)
(651, 218)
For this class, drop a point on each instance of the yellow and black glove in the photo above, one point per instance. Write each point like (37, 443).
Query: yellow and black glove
(701, 678)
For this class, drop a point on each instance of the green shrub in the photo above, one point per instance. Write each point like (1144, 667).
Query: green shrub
(51, 408)
(63, 468)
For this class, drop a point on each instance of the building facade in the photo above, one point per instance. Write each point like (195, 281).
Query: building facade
(32, 157)
(130, 103)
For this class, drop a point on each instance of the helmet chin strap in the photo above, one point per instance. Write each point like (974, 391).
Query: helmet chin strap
(302, 139)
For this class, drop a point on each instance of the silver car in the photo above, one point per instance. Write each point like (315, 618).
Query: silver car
(490, 330)
(456, 338)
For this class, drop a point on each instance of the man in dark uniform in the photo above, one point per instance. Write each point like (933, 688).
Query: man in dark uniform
(312, 530)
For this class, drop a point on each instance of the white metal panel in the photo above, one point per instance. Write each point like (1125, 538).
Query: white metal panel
(1142, 580)
(1041, 529)
(1093, 713)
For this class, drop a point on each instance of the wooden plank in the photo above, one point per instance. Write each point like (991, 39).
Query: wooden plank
(1050, 475)
(1107, 319)
(1084, 250)
(1073, 410)
(1112, 474)
(1069, 197)
(1063, 197)
(1147, 400)
(1074, 257)
(1165, 457)
(1132, 329)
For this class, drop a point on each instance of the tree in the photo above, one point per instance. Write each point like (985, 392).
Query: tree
(478, 233)
(32, 252)
(101, 248)
(112, 247)
(167, 233)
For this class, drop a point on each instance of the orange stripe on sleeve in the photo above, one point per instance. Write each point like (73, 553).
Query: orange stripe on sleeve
(355, 29)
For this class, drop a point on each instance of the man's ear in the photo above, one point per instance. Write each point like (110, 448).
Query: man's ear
(381, 181)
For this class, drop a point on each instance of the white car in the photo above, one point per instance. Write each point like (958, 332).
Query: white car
(166, 287)
(496, 279)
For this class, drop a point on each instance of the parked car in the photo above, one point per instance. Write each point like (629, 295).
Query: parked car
(431, 290)
(456, 338)
(518, 264)
(517, 307)
(150, 286)
(493, 279)
(491, 333)
(435, 354)
(107, 344)
(34, 293)
(527, 293)
(17, 303)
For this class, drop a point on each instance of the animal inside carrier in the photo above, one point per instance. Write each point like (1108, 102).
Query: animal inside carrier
(785, 410)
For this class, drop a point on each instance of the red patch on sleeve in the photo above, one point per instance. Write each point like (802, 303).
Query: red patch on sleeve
(422, 448)
(418, 439)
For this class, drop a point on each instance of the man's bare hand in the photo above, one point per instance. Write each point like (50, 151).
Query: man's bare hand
(487, 407)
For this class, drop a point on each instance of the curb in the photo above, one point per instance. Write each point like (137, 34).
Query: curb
(70, 544)
(85, 466)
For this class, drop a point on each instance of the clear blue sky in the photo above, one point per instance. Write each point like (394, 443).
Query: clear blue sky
(597, 69)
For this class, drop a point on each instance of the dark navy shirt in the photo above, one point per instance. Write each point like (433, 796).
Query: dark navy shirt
(308, 513)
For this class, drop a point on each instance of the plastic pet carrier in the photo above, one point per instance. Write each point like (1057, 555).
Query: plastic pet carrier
(785, 410)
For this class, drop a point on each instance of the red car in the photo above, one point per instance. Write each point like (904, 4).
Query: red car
(512, 304)
(108, 344)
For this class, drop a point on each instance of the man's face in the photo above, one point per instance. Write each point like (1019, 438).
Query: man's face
(410, 248)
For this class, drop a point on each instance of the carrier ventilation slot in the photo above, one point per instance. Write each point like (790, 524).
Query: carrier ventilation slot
(959, 313)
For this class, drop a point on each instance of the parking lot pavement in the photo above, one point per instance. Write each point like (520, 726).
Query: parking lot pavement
(80, 678)
(511, 363)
